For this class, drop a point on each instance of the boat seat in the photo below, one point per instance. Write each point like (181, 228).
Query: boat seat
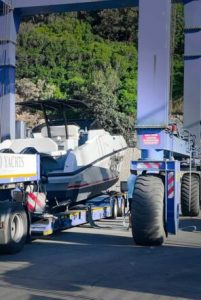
(49, 163)
(44, 145)
(29, 150)
(58, 134)
(95, 133)
(6, 150)
(73, 131)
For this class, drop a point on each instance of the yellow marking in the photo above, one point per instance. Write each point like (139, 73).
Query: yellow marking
(76, 211)
(100, 208)
(178, 176)
(48, 232)
(17, 175)
(74, 214)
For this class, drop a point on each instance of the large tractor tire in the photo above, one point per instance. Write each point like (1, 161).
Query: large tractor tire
(147, 211)
(15, 229)
(190, 195)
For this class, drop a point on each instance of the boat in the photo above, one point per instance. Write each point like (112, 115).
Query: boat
(79, 160)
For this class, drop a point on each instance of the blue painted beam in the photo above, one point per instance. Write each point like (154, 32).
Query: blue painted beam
(32, 7)
(154, 143)
(5, 3)
(154, 63)
(9, 25)
(154, 82)
(7, 102)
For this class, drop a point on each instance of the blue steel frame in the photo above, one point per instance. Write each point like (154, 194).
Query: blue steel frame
(9, 26)
(154, 67)
(154, 74)
(154, 62)
(192, 68)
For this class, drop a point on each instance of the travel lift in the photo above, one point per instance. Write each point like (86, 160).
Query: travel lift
(172, 153)
(155, 212)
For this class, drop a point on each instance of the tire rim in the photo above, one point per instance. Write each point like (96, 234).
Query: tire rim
(123, 207)
(17, 228)
(115, 208)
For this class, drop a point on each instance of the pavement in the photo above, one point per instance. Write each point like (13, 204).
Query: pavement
(104, 264)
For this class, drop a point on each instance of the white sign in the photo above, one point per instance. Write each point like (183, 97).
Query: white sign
(17, 165)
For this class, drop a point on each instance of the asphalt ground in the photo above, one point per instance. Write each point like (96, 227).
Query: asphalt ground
(104, 264)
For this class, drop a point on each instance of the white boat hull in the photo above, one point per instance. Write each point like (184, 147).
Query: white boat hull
(84, 183)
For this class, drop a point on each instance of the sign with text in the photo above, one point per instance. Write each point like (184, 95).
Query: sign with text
(151, 139)
(18, 165)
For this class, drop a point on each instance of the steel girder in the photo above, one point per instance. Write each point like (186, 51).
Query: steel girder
(10, 16)
(150, 26)
(32, 7)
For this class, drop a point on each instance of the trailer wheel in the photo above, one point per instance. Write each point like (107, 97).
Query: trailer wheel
(147, 211)
(121, 207)
(190, 198)
(114, 209)
(16, 230)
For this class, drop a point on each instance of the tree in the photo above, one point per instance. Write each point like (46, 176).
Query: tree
(64, 52)
(71, 51)
(178, 61)
(101, 96)
(26, 90)
(114, 24)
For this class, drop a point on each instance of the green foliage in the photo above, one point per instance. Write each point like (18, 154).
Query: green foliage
(91, 56)
(101, 96)
(178, 62)
(178, 77)
(27, 90)
(179, 30)
(114, 24)
(63, 51)
(127, 96)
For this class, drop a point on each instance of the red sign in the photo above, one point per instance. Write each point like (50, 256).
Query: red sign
(151, 139)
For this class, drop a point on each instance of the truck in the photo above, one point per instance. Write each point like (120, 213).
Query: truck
(24, 210)
(18, 172)
(170, 150)
(169, 156)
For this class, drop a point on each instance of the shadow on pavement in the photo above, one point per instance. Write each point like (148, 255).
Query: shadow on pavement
(74, 262)
(190, 224)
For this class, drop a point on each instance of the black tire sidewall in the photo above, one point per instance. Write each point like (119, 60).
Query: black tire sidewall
(114, 209)
(12, 246)
(190, 209)
(121, 207)
(147, 211)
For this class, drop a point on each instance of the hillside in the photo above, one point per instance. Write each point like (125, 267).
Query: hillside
(92, 57)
